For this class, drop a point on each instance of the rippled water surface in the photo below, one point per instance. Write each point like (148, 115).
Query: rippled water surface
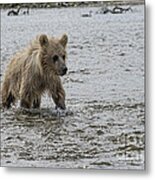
(103, 126)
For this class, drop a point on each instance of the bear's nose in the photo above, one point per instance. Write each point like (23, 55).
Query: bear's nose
(65, 69)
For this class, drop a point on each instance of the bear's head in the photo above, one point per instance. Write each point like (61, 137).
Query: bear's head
(53, 54)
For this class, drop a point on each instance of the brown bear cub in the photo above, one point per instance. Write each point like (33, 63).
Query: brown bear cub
(36, 70)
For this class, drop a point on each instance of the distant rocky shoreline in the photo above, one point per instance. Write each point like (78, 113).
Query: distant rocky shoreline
(70, 4)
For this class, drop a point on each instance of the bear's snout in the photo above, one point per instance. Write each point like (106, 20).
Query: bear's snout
(63, 70)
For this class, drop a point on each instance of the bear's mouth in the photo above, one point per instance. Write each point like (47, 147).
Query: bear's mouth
(62, 73)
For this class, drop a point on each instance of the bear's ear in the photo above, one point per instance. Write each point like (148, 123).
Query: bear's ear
(43, 40)
(63, 41)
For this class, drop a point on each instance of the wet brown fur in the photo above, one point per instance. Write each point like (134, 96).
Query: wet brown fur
(32, 72)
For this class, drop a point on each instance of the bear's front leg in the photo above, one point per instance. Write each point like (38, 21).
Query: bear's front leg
(60, 104)
(59, 98)
(37, 102)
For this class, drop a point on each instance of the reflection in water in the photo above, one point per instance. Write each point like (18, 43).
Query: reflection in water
(103, 127)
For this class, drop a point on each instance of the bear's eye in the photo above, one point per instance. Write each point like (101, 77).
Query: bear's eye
(55, 58)
(63, 57)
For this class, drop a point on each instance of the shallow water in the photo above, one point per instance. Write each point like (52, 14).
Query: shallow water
(103, 127)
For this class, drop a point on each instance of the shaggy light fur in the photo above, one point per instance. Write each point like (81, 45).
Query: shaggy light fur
(34, 70)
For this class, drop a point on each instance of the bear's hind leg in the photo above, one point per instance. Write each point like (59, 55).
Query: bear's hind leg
(9, 100)
(26, 96)
(25, 104)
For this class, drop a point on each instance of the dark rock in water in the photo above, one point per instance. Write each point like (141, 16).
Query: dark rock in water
(122, 54)
(87, 14)
(14, 12)
(18, 11)
(115, 10)
(127, 70)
